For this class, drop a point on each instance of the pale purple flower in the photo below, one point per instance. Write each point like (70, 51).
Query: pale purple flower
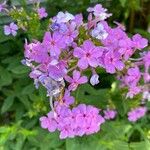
(133, 90)
(57, 69)
(42, 13)
(36, 52)
(88, 54)
(133, 76)
(99, 32)
(54, 43)
(109, 114)
(126, 48)
(94, 79)
(70, 33)
(63, 17)
(112, 62)
(67, 99)
(136, 114)
(76, 80)
(139, 41)
(78, 20)
(49, 122)
(11, 29)
(54, 26)
(2, 6)
(99, 11)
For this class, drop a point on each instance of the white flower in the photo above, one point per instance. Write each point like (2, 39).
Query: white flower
(64, 17)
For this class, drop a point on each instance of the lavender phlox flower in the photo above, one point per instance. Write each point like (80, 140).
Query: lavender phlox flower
(88, 54)
(109, 114)
(42, 12)
(11, 29)
(136, 113)
(99, 32)
(139, 42)
(99, 12)
(76, 80)
(54, 43)
(62, 17)
(2, 6)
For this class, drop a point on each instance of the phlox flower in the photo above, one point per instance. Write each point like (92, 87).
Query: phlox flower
(133, 90)
(99, 11)
(42, 12)
(99, 32)
(139, 42)
(109, 114)
(94, 79)
(113, 61)
(11, 29)
(67, 98)
(36, 52)
(70, 33)
(136, 114)
(76, 80)
(57, 69)
(88, 54)
(54, 43)
(2, 6)
(133, 76)
(63, 17)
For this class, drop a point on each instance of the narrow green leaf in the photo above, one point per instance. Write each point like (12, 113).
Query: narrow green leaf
(8, 102)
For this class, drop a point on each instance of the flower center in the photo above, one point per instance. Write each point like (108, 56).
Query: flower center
(88, 55)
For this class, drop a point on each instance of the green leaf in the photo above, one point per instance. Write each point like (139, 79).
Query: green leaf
(88, 95)
(91, 142)
(5, 77)
(8, 102)
(20, 70)
(145, 145)
(28, 89)
(25, 101)
(123, 2)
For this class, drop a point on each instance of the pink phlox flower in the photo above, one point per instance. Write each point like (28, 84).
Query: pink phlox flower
(76, 80)
(133, 76)
(136, 113)
(42, 12)
(57, 69)
(133, 90)
(67, 99)
(71, 33)
(54, 42)
(88, 54)
(36, 52)
(139, 41)
(113, 61)
(109, 114)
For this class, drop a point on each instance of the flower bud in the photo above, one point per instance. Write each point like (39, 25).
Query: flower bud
(94, 79)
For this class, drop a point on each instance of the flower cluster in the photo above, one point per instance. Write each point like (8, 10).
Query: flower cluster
(71, 46)
(78, 121)
(136, 113)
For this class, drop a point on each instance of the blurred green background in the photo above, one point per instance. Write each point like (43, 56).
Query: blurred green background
(21, 104)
